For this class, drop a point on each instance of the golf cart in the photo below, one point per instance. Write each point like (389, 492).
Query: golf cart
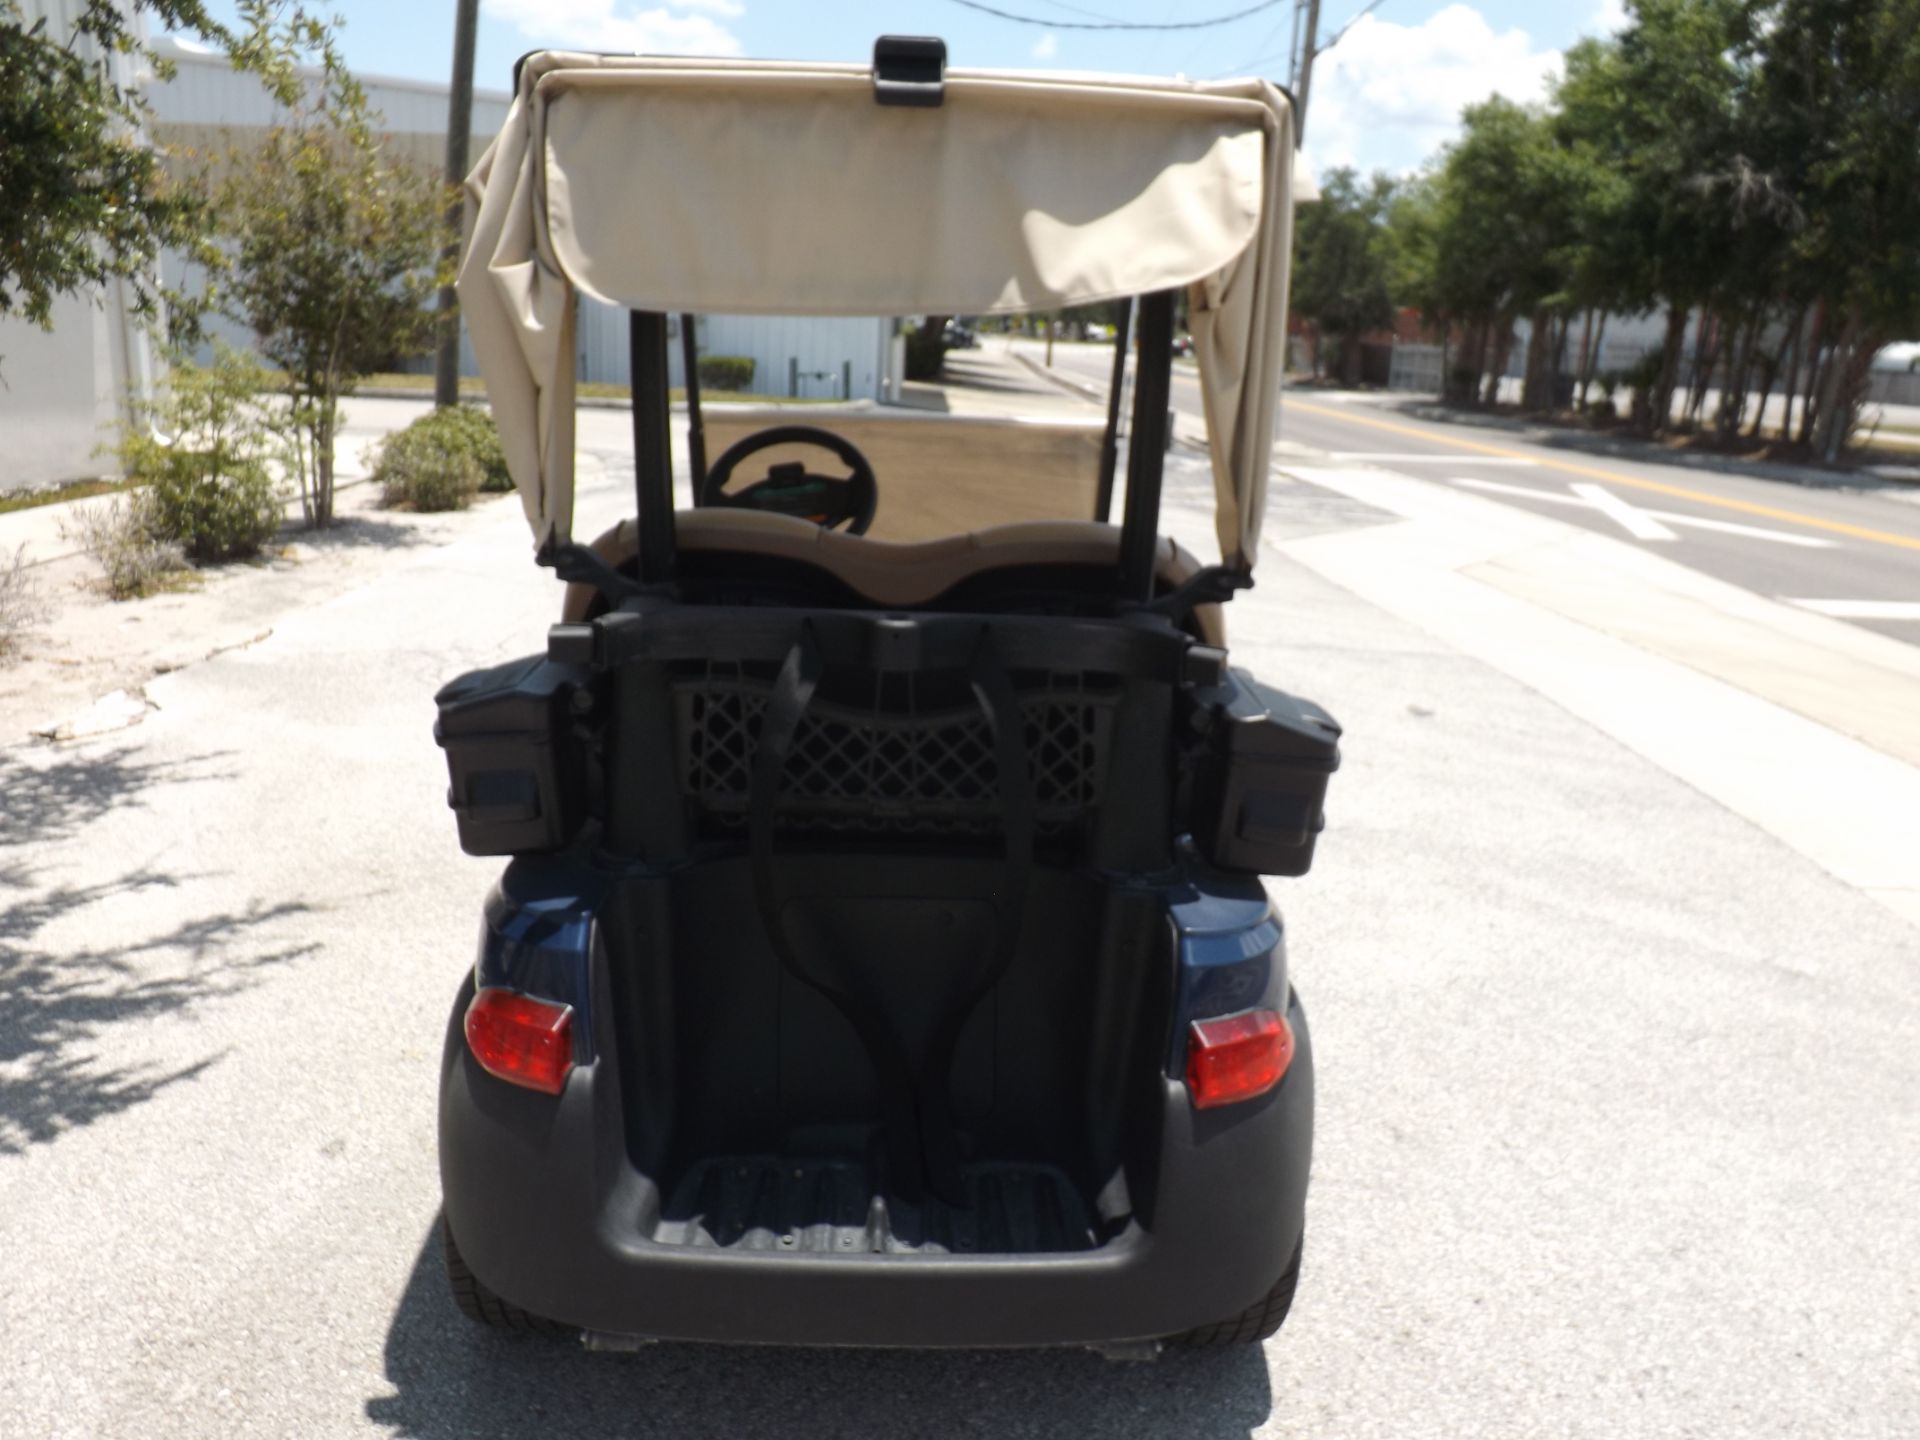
(883, 958)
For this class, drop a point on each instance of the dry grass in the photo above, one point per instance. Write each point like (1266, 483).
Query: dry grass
(20, 603)
(134, 561)
(59, 494)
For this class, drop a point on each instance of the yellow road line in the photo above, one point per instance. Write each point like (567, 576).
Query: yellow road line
(1792, 517)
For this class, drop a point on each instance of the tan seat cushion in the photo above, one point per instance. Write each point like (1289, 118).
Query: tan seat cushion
(900, 573)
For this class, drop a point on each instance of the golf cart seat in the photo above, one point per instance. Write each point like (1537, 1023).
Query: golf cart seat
(906, 574)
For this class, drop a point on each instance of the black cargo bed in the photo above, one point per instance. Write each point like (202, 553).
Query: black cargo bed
(760, 1202)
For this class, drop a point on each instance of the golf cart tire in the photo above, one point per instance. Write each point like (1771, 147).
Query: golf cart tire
(483, 1307)
(1259, 1321)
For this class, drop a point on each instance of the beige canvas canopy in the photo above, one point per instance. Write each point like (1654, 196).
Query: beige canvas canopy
(754, 187)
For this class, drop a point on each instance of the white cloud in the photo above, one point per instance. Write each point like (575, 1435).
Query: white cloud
(1609, 17)
(682, 27)
(1046, 47)
(1388, 96)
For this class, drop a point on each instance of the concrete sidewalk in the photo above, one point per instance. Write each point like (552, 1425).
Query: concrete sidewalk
(1803, 725)
(37, 532)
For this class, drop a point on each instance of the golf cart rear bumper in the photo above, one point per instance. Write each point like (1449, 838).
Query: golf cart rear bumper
(548, 1211)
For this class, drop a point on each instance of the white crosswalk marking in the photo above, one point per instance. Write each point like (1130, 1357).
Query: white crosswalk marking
(1636, 523)
(1663, 517)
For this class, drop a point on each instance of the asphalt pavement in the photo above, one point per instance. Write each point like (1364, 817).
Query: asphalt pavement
(1618, 1091)
(1848, 548)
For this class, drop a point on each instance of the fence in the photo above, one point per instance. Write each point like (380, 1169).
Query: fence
(1415, 367)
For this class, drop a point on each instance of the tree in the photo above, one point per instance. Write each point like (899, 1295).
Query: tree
(335, 247)
(1342, 263)
(1659, 109)
(1839, 93)
(83, 201)
(1498, 236)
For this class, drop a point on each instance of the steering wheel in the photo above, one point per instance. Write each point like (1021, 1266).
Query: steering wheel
(792, 489)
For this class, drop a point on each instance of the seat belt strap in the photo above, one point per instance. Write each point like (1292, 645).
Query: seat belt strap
(993, 687)
(787, 707)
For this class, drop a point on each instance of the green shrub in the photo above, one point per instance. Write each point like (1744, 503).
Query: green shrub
(427, 466)
(213, 516)
(472, 429)
(441, 459)
(202, 451)
(726, 372)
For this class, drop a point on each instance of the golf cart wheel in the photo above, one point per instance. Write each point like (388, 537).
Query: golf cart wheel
(482, 1306)
(1257, 1322)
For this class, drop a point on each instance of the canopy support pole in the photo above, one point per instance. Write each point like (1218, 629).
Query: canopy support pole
(652, 443)
(696, 426)
(1147, 449)
(1110, 442)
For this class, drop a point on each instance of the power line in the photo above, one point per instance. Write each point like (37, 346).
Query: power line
(1266, 40)
(1078, 10)
(1364, 11)
(1118, 24)
(1293, 46)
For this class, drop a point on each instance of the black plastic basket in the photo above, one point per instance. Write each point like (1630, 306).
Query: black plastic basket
(894, 765)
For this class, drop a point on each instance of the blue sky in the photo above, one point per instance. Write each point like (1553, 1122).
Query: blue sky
(1385, 97)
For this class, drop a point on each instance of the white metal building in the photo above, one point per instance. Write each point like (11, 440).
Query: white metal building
(62, 394)
(208, 106)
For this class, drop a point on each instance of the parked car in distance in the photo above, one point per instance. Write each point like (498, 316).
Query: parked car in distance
(1183, 346)
(959, 335)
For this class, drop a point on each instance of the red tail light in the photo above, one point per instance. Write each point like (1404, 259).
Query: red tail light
(520, 1039)
(1237, 1057)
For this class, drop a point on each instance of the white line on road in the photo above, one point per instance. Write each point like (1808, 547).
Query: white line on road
(1670, 517)
(1634, 521)
(1861, 609)
(1397, 459)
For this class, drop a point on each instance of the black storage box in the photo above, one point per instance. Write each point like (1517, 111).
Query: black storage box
(517, 770)
(1261, 783)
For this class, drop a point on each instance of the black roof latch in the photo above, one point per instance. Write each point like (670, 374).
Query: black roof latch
(909, 70)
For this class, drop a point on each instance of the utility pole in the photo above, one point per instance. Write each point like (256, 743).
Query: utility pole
(446, 375)
(1303, 79)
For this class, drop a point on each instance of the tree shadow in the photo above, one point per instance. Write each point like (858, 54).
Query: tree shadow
(451, 1379)
(358, 531)
(60, 1002)
(49, 795)
(963, 371)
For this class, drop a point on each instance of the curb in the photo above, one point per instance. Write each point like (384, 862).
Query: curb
(1646, 452)
(1093, 396)
(390, 392)
(62, 549)
(1079, 389)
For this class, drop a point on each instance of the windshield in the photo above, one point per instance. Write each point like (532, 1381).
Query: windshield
(962, 423)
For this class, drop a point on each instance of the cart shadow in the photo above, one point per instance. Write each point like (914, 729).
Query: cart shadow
(452, 1379)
